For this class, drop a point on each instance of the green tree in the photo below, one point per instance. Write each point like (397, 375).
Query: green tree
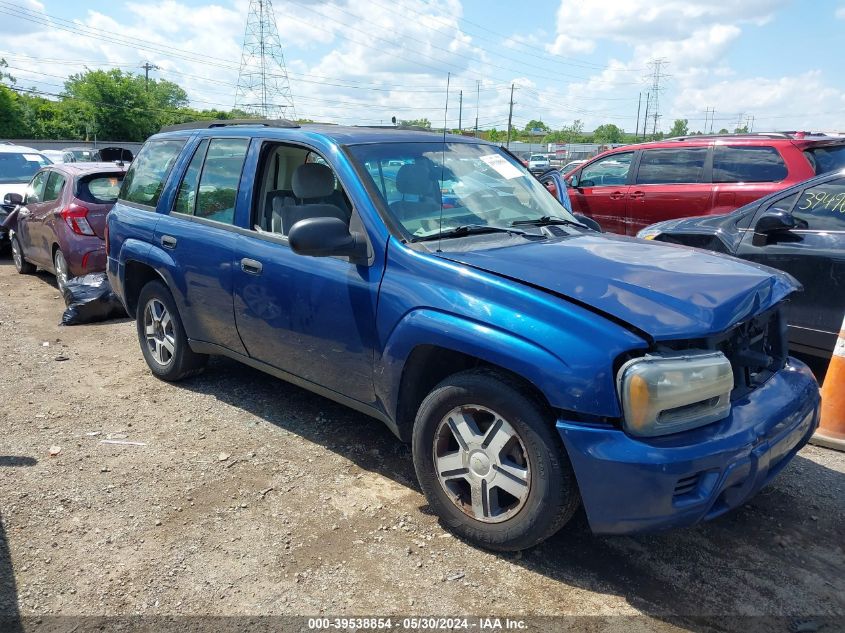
(608, 133)
(723, 131)
(425, 123)
(494, 136)
(535, 124)
(680, 128)
(741, 130)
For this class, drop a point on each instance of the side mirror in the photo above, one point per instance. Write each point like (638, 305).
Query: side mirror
(12, 200)
(775, 220)
(327, 237)
(583, 219)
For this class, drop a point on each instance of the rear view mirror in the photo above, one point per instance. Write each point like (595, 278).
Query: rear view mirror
(327, 237)
(12, 200)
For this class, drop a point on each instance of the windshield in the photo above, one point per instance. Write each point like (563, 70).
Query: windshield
(18, 169)
(476, 184)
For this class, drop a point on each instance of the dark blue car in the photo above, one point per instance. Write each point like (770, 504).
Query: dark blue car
(533, 363)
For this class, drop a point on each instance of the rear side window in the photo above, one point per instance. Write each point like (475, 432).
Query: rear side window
(54, 187)
(221, 174)
(667, 166)
(99, 189)
(145, 179)
(754, 163)
(186, 198)
(827, 158)
(822, 206)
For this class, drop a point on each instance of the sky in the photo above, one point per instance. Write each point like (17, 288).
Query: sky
(770, 64)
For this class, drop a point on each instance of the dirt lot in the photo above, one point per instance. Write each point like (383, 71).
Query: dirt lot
(251, 496)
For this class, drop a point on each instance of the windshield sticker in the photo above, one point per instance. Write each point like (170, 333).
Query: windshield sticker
(822, 201)
(502, 166)
(35, 158)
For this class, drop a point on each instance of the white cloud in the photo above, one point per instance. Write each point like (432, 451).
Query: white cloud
(840, 13)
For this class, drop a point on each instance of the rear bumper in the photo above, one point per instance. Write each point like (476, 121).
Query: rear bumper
(86, 255)
(636, 484)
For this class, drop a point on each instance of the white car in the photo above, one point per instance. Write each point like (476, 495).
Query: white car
(55, 155)
(537, 163)
(18, 165)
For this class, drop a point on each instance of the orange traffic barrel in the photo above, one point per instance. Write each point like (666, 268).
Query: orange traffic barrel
(831, 431)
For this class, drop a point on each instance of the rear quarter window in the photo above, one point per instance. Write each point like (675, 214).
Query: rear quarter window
(145, 179)
(99, 189)
(750, 163)
(826, 158)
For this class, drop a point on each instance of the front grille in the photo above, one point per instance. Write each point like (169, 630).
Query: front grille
(756, 348)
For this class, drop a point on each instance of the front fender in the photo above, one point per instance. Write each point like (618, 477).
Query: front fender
(564, 384)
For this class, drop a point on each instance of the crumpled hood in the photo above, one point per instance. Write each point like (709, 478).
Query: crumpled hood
(668, 292)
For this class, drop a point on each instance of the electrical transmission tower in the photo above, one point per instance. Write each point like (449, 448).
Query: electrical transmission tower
(657, 75)
(263, 85)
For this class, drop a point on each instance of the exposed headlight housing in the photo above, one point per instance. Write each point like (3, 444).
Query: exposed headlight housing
(663, 394)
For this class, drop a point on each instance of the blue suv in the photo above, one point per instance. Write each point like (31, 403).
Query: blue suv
(431, 282)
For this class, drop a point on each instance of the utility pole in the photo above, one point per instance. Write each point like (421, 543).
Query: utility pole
(477, 95)
(657, 74)
(510, 119)
(712, 119)
(751, 127)
(460, 109)
(639, 103)
(147, 66)
(645, 118)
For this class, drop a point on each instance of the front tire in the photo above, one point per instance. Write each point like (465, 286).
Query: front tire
(162, 336)
(490, 464)
(21, 265)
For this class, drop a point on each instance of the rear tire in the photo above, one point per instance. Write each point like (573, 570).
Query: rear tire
(61, 269)
(162, 336)
(506, 484)
(21, 265)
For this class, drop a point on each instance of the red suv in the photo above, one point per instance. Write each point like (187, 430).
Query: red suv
(629, 188)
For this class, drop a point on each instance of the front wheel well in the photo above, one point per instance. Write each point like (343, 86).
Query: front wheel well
(428, 365)
(136, 276)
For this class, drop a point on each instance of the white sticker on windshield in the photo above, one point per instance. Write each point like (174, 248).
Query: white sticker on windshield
(502, 166)
(35, 158)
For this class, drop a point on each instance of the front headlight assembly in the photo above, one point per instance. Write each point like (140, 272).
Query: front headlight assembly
(649, 233)
(663, 394)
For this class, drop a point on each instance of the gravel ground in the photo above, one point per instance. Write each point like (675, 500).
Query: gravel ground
(247, 495)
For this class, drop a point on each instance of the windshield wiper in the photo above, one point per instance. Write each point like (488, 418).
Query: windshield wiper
(469, 229)
(548, 220)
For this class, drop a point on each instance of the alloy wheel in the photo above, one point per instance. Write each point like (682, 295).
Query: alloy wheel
(482, 464)
(158, 332)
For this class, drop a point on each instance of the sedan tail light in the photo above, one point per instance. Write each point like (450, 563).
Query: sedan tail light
(76, 217)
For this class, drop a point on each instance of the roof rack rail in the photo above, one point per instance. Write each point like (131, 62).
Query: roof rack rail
(203, 125)
(729, 135)
(415, 128)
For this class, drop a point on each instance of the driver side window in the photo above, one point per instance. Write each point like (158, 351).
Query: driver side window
(296, 184)
(35, 190)
(608, 171)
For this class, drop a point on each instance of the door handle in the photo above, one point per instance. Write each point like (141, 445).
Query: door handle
(636, 195)
(168, 241)
(616, 195)
(251, 266)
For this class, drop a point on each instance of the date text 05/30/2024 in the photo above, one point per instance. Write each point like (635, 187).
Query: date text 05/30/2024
(417, 623)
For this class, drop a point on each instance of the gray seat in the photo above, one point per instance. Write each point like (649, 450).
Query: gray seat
(310, 182)
(415, 180)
